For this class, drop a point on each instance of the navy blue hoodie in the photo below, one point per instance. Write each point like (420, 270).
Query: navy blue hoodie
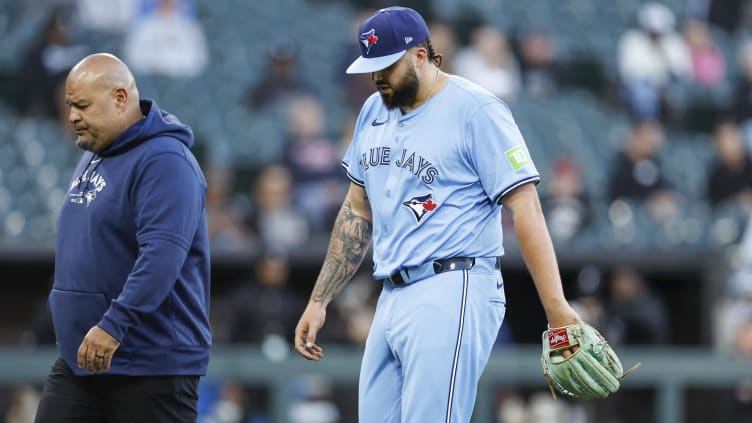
(132, 252)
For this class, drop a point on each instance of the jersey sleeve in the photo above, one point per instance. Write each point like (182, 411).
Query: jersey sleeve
(351, 163)
(498, 151)
(352, 159)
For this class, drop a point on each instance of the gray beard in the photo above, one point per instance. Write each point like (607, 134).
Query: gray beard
(85, 145)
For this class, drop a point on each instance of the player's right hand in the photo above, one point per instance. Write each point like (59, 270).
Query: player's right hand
(96, 350)
(305, 333)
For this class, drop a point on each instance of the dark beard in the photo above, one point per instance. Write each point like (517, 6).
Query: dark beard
(405, 93)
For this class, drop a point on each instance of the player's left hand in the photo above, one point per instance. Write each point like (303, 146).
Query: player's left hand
(595, 371)
(96, 350)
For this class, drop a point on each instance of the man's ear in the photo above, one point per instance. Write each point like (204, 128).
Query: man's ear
(121, 96)
(421, 56)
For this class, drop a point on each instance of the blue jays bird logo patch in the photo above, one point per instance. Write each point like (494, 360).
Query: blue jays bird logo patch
(420, 205)
(369, 39)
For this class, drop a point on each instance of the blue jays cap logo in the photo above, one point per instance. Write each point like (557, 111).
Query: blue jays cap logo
(420, 205)
(369, 39)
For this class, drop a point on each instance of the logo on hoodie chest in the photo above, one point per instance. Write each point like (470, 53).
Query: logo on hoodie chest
(84, 189)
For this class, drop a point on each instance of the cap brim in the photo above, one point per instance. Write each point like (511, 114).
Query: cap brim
(374, 64)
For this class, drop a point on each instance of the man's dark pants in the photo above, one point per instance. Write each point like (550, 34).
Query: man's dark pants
(116, 398)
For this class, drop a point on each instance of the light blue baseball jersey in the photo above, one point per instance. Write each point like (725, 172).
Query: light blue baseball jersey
(436, 175)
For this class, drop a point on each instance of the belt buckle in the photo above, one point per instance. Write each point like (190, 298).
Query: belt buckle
(454, 263)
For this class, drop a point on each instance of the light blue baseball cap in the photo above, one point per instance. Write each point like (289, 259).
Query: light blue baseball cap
(385, 36)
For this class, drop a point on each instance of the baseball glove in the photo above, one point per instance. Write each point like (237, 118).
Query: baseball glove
(593, 371)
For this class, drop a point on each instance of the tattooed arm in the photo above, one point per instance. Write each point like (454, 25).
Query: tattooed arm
(351, 237)
(348, 245)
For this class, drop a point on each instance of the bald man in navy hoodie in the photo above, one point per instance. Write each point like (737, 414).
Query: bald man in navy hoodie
(130, 300)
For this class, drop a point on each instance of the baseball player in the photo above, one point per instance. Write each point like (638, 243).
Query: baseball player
(432, 160)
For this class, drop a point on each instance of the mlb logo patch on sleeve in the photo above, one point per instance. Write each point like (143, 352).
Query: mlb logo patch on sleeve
(516, 157)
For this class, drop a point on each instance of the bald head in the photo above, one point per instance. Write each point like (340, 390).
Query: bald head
(105, 71)
(103, 100)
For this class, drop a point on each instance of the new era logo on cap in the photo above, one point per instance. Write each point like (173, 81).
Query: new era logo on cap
(385, 36)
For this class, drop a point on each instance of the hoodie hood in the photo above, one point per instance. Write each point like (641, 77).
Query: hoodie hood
(156, 123)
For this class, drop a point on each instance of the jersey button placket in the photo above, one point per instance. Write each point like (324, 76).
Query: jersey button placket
(386, 211)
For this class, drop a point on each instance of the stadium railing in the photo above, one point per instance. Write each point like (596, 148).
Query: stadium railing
(668, 370)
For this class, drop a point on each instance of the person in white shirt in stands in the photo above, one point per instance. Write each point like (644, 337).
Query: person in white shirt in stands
(167, 42)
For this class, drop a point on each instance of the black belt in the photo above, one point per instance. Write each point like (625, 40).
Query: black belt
(438, 266)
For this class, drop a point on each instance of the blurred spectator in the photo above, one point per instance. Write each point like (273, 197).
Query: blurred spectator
(588, 298)
(489, 62)
(565, 202)
(313, 400)
(724, 14)
(356, 305)
(346, 133)
(222, 402)
(23, 406)
(112, 16)
(511, 408)
(730, 178)
(650, 58)
(633, 314)
(227, 233)
(424, 7)
(45, 66)
(275, 219)
(637, 173)
(39, 331)
(733, 311)
(539, 407)
(167, 42)
(444, 42)
(737, 404)
(280, 80)
(708, 63)
(315, 163)
(734, 308)
(541, 71)
(184, 7)
(707, 96)
(742, 107)
(264, 308)
(355, 87)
